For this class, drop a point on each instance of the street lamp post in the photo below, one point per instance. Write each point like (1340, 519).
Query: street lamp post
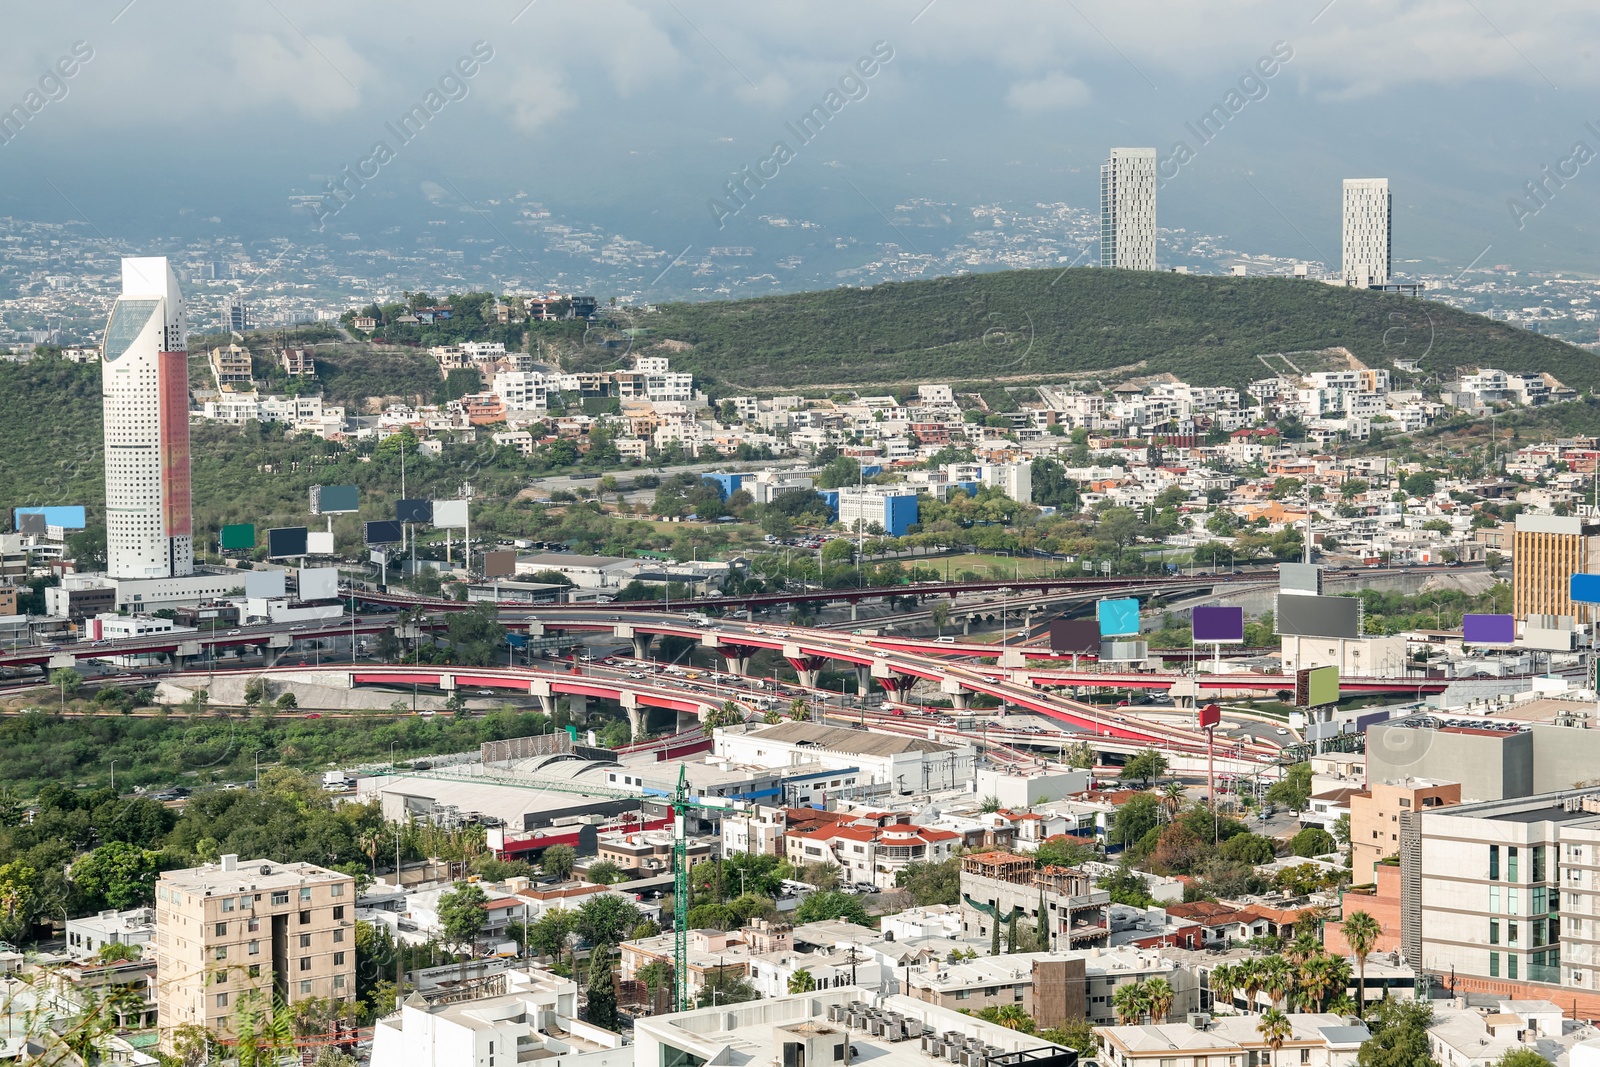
(391, 752)
(113, 777)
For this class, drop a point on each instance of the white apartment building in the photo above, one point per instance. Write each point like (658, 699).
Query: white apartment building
(1128, 209)
(483, 351)
(1507, 889)
(1368, 212)
(878, 507)
(522, 390)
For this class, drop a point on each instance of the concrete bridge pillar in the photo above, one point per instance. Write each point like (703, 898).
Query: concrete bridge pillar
(547, 704)
(636, 722)
(806, 668)
(952, 689)
(966, 625)
(641, 645)
(863, 681)
(853, 605)
(578, 707)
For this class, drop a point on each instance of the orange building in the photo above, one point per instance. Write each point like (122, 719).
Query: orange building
(1376, 814)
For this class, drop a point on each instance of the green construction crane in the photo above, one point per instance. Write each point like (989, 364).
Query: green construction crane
(682, 804)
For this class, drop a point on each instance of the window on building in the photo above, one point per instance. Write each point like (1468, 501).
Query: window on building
(255, 948)
(227, 903)
(1494, 965)
(254, 925)
(281, 897)
(305, 918)
(338, 937)
(1511, 966)
(1513, 904)
(222, 929)
(338, 959)
(305, 940)
(1494, 931)
(336, 890)
(1538, 863)
(1494, 900)
(305, 892)
(255, 970)
(338, 981)
(222, 952)
(338, 912)
(1511, 933)
(1511, 863)
(1494, 862)
(305, 989)
(305, 963)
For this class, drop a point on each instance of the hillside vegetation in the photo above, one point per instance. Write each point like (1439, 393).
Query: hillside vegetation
(1027, 325)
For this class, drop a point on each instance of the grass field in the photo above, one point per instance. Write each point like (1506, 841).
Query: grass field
(989, 566)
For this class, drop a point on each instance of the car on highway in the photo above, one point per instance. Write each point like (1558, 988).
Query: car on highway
(235, 633)
(881, 654)
(1281, 731)
(315, 715)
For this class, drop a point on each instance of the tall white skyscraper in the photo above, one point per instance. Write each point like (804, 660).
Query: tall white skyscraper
(1128, 209)
(1367, 213)
(144, 374)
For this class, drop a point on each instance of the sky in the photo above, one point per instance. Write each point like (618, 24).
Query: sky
(181, 116)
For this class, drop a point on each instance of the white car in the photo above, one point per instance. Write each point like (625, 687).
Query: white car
(1282, 731)
(881, 655)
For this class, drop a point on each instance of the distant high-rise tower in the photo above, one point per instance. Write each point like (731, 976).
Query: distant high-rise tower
(236, 314)
(1128, 209)
(1367, 213)
(144, 375)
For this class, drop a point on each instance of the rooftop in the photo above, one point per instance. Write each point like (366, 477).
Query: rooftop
(233, 875)
(842, 739)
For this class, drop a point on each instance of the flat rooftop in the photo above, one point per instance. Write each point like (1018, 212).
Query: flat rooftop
(254, 874)
(843, 739)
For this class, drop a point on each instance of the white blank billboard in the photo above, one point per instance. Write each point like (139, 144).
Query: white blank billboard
(319, 583)
(450, 513)
(319, 543)
(265, 583)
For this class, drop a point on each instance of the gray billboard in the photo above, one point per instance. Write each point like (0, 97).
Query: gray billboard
(1300, 578)
(1302, 615)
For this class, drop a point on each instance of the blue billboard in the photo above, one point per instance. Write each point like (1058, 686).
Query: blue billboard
(68, 518)
(1584, 588)
(1118, 618)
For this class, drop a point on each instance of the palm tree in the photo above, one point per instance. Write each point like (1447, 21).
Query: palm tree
(1362, 931)
(1224, 980)
(1313, 980)
(1251, 978)
(1274, 1029)
(1130, 1003)
(1277, 979)
(1302, 948)
(802, 981)
(1013, 1017)
(1158, 996)
(1173, 797)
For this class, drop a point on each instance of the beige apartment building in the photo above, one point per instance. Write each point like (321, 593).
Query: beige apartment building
(1548, 550)
(1377, 815)
(234, 936)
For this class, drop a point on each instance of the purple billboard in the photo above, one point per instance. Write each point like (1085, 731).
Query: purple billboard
(1488, 629)
(1220, 626)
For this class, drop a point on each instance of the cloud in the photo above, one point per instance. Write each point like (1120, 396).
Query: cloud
(1053, 92)
(318, 75)
(538, 97)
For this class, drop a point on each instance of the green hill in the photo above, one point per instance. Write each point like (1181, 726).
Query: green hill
(1032, 325)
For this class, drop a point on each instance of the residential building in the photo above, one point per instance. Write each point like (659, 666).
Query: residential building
(522, 390)
(88, 934)
(996, 885)
(1549, 550)
(1367, 217)
(834, 1026)
(1481, 1036)
(145, 383)
(905, 763)
(1315, 1040)
(236, 316)
(869, 854)
(234, 934)
(231, 366)
(1128, 209)
(8, 600)
(1376, 815)
(297, 362)
(507, 1017)
(885, 508)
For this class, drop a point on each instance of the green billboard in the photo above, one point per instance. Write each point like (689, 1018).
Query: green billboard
(239, 538)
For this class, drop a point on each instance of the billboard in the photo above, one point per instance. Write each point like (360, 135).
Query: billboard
(177, 512)
(450, 513)
(32, 523)
(1219, 626)
(286, 541)
(1300, 578)
(1316, 686)
(240, 537)
(319, 542)
(1079, 636)
(1210, 715)
(499, 564)
(334, 499)
(1488, 629)
(413, 511)
(319, 583)
(1118, 617)
(385, 532)
(1114, 651)
(273, 583)
(1584, 588)
(1305, 615)
(68, 518)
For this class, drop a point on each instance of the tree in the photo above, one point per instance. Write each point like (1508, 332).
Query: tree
(116, 875)
(725, 987)
(1494, 561)
(1253, 849)
(1075, 1034)
(1341, 830)
(1224, 980)
(601, 992)
(1312, 841)
(1013, 1017)
(1127, 886)
(1521, 1057)
(1399, 1035)
(1293, 790)
(257, 691)
(1145, 767)
(603, 872)
(802, 981)
(1130, 1002)
(939, 614)
(1134, 818)
(932, 883)
(1158, 994)
(461, 918)
(1361, 932)
(287, 701)
(832, 905)
(657, 978)
(558, 861)
(605, 917)
(1274, 1028)
(119, 951)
